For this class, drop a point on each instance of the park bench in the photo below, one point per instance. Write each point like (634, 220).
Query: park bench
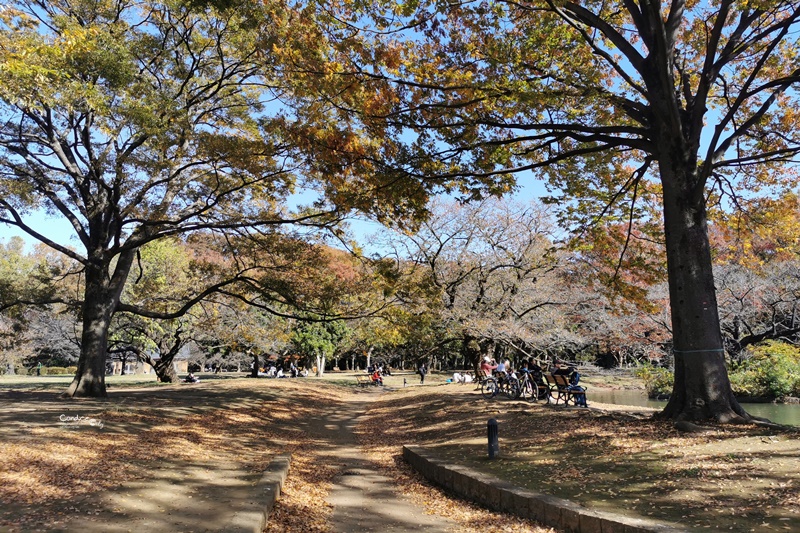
(365, 380)
(559, 388)
(480, 377)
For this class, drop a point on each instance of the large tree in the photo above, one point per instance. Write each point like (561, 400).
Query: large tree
(135, 121)
(319, 340)
(612, 100)
(131, 121)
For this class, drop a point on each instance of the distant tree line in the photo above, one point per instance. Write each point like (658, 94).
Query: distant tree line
(489, 278)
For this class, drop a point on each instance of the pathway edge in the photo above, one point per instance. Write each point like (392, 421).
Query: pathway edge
(499, 495)
(268, 490)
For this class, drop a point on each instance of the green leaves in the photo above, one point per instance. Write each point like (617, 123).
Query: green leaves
(319, 339)
(772, 371)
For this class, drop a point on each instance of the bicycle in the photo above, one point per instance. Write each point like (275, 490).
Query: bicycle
(509, 385)
(489, 387)
(531, 386)
(504, 383)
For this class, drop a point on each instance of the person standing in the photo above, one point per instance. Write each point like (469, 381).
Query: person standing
(422, 371)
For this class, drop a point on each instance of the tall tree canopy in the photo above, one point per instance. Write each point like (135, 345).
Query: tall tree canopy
(134, 121)
(612, 101)
(489, 268)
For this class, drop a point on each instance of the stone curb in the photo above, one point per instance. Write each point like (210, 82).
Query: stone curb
(267, 491)
(502, 496)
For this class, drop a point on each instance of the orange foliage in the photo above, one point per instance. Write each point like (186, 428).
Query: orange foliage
(764, 230)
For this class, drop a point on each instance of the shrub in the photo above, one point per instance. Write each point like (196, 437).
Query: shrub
(54, 371)
(658, 381)
(772, 371)
(744, 382)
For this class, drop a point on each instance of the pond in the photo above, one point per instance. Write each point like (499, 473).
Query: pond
(788, 414)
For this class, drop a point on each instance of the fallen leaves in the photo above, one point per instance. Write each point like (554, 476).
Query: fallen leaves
(600, 458)
(302, 506)
(248, 421)
(384, 446)
(239, 421)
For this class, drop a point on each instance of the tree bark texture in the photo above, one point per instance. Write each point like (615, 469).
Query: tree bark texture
(472, 351)
(702, 389)
(165, 370)
(320, 365)
(97, 309)
(101, 298)
(369, 356)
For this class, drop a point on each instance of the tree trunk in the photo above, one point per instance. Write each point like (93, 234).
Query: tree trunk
(101, 298)
(89, 379)
(165, 370)
(320, 365)
(254, 372)
(472, 352)
(98, 307)
(702, 389)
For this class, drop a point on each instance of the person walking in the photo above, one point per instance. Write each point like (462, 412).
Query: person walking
(422, 371)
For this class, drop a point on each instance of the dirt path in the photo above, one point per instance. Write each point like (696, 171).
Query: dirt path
(362, 498)
(186, 459)
(730, 477)
(148, 461)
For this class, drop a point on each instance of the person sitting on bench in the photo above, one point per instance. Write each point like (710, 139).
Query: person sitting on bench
(487, 366)
(573, 377)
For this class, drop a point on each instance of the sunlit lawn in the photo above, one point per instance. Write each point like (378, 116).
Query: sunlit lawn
(399, 379)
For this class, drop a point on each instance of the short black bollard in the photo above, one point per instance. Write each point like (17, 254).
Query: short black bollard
(494, 444)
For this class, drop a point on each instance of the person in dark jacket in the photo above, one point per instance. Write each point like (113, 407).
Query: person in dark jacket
(573, 376)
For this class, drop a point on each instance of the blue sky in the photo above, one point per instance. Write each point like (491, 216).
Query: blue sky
(55, 228)
(59, 230)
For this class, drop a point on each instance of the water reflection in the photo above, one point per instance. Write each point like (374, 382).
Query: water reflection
(779, 413)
